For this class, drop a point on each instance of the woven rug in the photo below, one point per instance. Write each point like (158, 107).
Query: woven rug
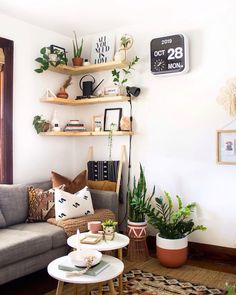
(138, 282)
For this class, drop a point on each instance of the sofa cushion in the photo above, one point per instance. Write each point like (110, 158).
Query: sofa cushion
(17, 245)
(57, 235)
(14, 203)
(2, 220)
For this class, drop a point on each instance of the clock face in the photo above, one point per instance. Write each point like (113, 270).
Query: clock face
(169, 55)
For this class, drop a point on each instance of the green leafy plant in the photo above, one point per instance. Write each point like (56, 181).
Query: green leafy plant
(109, 222)
(110, 136)
(138, 203)
(230, 289)
(125, 41)
(76, 48)
(172, 223)
(44, 59)
(120, 79)
(40, 124)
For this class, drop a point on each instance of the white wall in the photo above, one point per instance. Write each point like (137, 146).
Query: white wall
(175, 117)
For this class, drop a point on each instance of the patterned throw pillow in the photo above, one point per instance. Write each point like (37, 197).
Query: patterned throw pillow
(73, 205)
(41, 204)
(73, 186)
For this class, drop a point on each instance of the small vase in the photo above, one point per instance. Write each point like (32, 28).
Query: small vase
(77, 61)
(62, 93)
(109, 232)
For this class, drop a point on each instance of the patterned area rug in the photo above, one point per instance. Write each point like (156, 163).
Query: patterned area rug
(138, 282)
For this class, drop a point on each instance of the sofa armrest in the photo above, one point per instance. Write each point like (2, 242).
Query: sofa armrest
(105, 200)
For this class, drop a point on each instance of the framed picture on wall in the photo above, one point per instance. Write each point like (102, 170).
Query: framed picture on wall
(102, 48)
(112, 119)
(226, 147)
(97, 123)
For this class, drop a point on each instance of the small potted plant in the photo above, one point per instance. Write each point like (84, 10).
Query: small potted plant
(174, 226)
(109, 227)
(126, 42)
(40, 124)
(77, 60)
(139, 204)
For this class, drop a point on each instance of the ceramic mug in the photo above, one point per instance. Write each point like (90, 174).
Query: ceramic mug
(94, 226)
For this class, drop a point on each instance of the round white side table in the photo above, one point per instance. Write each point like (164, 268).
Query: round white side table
(119, 242)
(114, 269)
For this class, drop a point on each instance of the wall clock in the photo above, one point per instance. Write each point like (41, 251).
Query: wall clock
(170, 55)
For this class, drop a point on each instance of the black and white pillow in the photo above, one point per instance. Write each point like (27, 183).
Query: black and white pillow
(73, 205)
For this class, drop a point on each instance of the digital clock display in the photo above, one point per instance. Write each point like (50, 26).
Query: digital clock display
(169, 55)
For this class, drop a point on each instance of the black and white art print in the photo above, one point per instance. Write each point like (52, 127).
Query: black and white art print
(102, 48)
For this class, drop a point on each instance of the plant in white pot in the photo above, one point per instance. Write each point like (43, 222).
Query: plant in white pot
(174, 226)
(139, 204)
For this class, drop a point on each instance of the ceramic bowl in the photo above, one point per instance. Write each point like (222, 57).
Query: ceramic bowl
(78, 258)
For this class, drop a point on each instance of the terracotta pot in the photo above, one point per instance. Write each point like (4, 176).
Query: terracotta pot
(77, 61)
(137, 229)
(170, 252)
(62, 93)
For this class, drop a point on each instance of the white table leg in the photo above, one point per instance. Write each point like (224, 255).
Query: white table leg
(120, 278)
(60, 285)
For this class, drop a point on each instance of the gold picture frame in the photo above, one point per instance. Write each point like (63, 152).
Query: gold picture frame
(226, 147)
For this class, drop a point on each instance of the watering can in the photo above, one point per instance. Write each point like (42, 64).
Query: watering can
(87, 86)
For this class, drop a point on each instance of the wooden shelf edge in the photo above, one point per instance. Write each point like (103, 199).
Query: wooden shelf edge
(86, 133)
(70, 70)
(85, 101)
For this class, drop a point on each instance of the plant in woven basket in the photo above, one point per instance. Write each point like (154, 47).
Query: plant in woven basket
(172, 223)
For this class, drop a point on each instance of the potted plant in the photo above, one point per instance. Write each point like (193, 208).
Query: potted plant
(126, 42)
(77, 60)
(109, 227)
(120, 77)
(174, 226)
(138, 206)
(40, 124)
(49, 57)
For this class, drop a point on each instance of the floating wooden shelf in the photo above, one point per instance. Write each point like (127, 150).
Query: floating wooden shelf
(73, 102)
(85, 133)
(69, 70)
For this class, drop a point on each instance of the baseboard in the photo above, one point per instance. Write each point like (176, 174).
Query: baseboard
(204, 251)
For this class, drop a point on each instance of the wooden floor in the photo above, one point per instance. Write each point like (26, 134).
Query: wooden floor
(40, 282)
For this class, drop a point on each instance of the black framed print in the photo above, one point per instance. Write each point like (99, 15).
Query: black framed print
(170, 55)
(112, 119)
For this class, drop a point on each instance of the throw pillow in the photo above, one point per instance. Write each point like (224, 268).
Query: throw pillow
(73, 205)
(105, 185)
(73, 186)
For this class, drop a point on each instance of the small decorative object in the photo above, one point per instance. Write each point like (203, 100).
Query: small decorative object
(102, 48)
(126, 42)
(55, 122)
(55, 51)
(109, 227)
(94, 226)
(77, 60)
(227, 97)
(49, 93)
(46, 59)
(87, 87)
(62, 92)
(125, 124)
(86, 62)
(78, 240)
(40, 124)
(170, 55)
(91, 239)
(97, 123)
(110, 91)
(79, 258)
(174, 226)
(121, 80)
(75, 125)
(226, 147)
(112, 118)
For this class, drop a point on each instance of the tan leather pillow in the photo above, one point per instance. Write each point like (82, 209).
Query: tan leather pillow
(105, 185)
(73, 186)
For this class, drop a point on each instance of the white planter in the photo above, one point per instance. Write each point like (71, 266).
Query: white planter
(172, 252)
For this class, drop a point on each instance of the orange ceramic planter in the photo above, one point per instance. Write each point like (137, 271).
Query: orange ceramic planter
(172, 253)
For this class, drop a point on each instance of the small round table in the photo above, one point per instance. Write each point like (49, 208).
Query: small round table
(114, 269)
(119, 242)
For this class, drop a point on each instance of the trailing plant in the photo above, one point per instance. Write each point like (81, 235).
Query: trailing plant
(76, 48)
(110, 137)
(172, 223)
(138, 203)
(120, 79)
(40, 124)
(109, 222)
(44, 59)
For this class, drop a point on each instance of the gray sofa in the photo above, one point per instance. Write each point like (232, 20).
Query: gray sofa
(29, 247)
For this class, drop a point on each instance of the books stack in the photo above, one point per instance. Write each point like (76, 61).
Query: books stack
(75, 125)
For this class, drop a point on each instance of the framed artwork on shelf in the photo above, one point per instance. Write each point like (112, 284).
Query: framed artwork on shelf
(226, 147)
(112, 119)
(97, 123)
(102, 48)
